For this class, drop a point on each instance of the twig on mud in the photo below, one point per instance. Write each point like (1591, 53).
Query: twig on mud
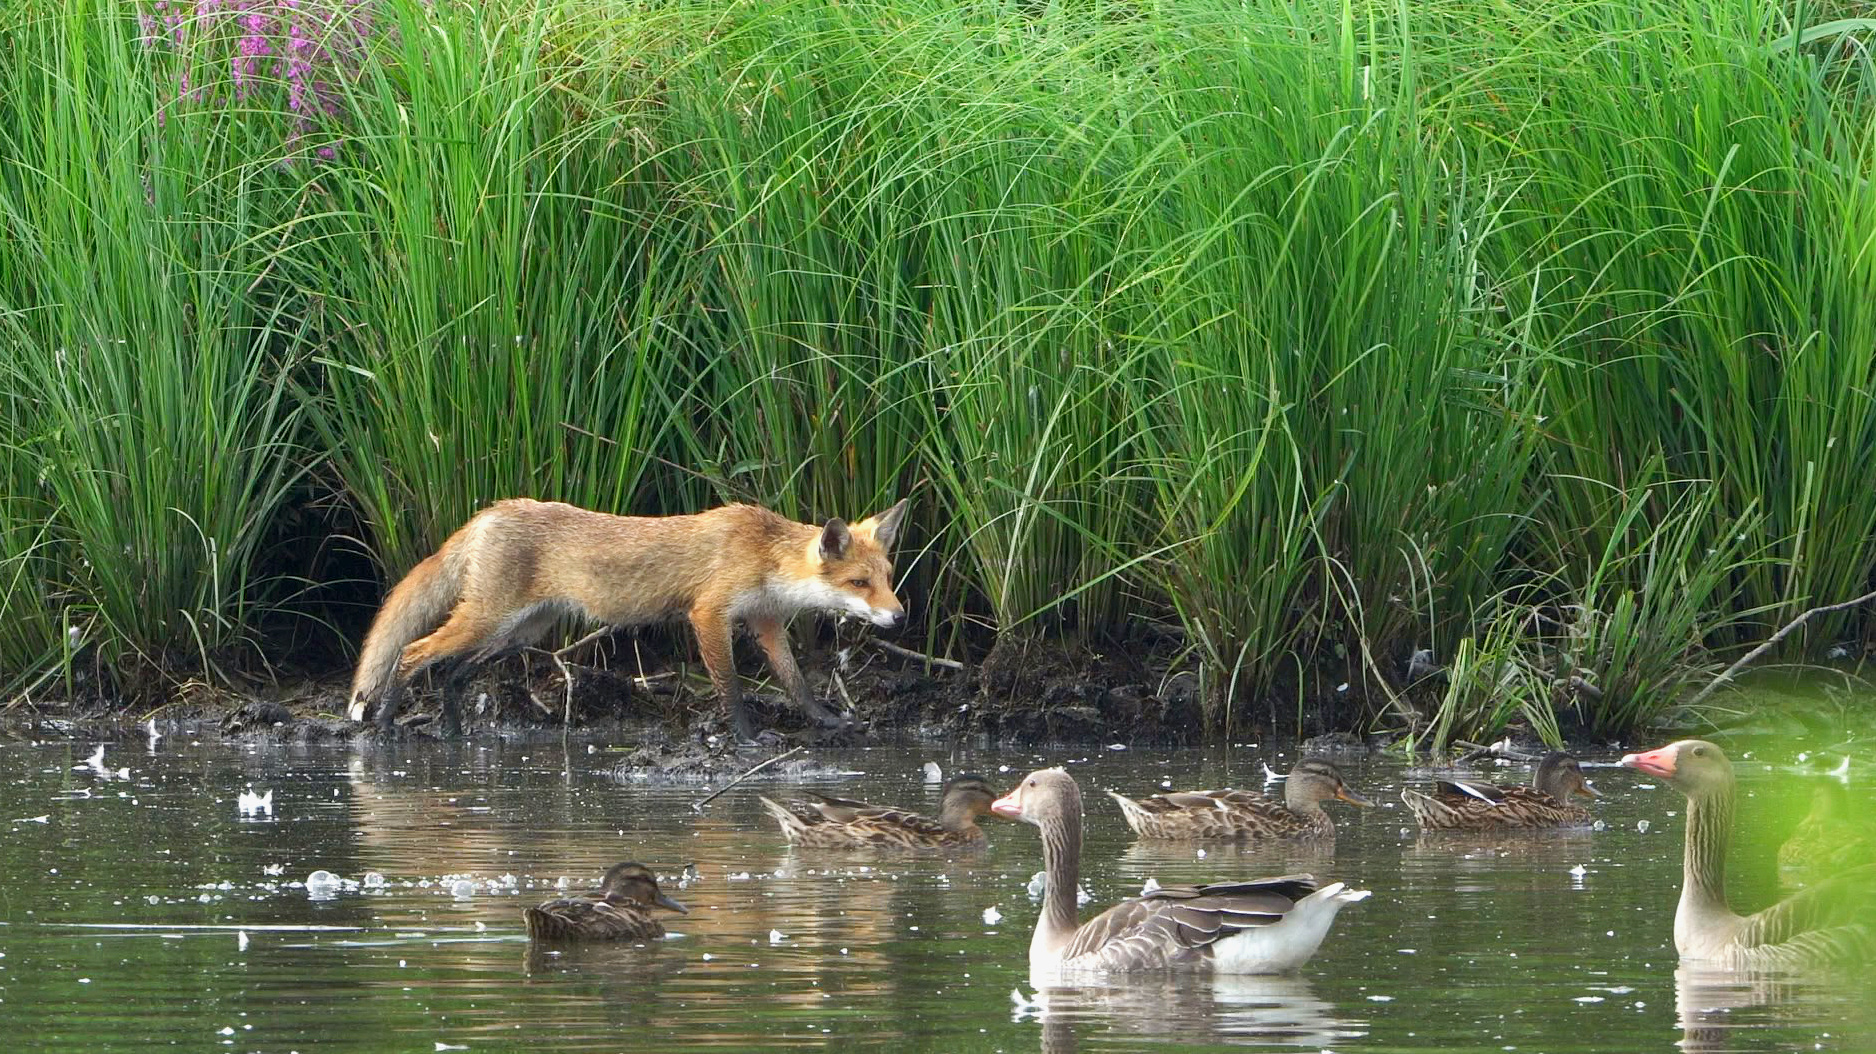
(566, 676)
(546, 711)
(598, 634)
(559, 655)
(918, 656)
(697, 806)
(1770, 643)
(841, 687)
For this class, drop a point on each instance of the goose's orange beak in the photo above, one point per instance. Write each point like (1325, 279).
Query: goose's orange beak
(1008, 807)
(1654, 762)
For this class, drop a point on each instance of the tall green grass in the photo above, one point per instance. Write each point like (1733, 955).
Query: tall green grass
(146, 362)
(1539, 336)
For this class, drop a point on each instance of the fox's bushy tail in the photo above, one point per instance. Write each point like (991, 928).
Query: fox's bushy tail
(418, 605)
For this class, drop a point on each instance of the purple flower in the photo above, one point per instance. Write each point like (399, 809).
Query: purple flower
(293, 51)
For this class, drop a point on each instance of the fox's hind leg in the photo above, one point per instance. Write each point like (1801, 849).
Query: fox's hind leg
(465, 637)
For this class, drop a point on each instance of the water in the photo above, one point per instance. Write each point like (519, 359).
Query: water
(142, 910)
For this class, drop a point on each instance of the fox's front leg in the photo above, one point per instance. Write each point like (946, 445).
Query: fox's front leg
(772, 634)
(712, 625)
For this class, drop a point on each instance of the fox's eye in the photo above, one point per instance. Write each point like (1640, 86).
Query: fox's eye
(858, 583)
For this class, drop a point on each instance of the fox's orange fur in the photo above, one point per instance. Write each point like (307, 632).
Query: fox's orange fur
(516, 567)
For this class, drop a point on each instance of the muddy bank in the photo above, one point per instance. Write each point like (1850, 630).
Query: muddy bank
(1143, 693)
(1018, 696)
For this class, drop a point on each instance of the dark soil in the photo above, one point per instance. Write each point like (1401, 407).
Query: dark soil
(1020, 695)
(1141, 693)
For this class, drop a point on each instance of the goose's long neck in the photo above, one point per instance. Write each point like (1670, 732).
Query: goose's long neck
(1703, 909)
(1061, 860)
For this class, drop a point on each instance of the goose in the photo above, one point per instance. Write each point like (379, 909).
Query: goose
(840, 823)
(1271, 925)
(619, 910)
(1458, 806)
(1831, 921)
(1244, 814)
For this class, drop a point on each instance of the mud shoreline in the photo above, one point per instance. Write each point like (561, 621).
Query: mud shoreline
(662, 720)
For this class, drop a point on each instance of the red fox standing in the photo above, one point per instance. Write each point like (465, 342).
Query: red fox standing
(518, 566)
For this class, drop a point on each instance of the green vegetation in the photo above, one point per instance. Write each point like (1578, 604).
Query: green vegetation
(1542, 336)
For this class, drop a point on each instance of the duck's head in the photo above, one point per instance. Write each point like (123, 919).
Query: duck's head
(968, 793)
(636, 882)
(1314, 780)
(1044, 797)
(1560, 776)
(1694, 766)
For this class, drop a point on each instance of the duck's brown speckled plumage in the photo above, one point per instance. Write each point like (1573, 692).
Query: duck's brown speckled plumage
(1831, 838)
(1457, 806)
(619, 910)
(1244, 814)
(830, 822)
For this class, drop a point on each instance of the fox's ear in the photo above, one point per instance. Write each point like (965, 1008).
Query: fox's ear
(885, 526)
(835, 539)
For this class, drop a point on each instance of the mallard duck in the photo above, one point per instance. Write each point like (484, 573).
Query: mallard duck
(1828, 839)
(617, 911)
(1270, 925)
(837, 822)
(1460, 806)
(1831, 921)
(1244, 814)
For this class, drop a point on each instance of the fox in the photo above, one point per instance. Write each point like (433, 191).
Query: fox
(504, 579)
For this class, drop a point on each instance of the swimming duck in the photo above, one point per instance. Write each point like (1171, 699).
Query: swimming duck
(1461, 806)
(1244, 814)
(1270, 925)
(838, 822)
(1829, 838)
(1831, 921)
(619, 910)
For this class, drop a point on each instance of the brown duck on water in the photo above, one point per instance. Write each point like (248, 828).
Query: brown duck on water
(1830, 838)
(1460, 806)
(619, 910)
(1270, 925)
(1831, 921)
(840, 823)
(1244, 814)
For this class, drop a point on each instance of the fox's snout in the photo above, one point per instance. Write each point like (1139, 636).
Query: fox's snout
(888, 618)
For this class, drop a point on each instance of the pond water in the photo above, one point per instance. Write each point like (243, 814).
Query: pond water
(139, 910)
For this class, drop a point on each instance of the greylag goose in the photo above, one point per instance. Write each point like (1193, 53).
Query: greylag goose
(619, 910)
(1243, 814)
(837, 822)
(1460, 806)
(1270, 925)
(1833, 920)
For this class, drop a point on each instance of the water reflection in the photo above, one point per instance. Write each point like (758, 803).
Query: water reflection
(1282, 1011)
(1559, 941)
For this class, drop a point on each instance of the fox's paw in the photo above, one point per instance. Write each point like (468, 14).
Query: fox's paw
(767, 740)
(846, 731)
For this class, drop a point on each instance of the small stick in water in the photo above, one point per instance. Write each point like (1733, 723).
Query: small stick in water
(697, 806)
